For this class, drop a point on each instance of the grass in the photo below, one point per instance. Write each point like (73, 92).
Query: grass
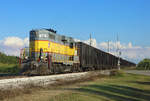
(9, 68)
(127, 87)
(129, 68)
(121, 87)
(143, 68)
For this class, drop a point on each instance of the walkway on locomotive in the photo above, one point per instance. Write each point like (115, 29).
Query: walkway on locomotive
(62, 48)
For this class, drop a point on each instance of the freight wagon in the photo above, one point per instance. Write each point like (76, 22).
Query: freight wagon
(93, 58)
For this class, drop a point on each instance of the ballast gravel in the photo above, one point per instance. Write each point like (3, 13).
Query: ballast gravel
(38, 80)
(13, 83)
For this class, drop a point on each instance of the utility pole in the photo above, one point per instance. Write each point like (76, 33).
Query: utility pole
(90, 40)
(118, 53)
(108, 46)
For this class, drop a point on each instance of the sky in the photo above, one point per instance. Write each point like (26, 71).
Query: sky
(103, 19)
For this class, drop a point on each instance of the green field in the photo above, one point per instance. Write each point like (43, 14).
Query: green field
(123, 87)
(9, 68)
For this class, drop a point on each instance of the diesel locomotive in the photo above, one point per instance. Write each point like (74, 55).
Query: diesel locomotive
(51, 53)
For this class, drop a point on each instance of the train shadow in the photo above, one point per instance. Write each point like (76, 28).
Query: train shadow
(8, 74)
(143, 83)
(117, 92)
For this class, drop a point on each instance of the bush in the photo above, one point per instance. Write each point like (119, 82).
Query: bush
(144, 64)
(8, 59)
(9, 68)
(8, 64)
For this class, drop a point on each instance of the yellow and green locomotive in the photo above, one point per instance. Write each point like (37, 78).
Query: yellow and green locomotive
(50, 53)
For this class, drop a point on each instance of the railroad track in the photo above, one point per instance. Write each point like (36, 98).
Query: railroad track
(10, 76)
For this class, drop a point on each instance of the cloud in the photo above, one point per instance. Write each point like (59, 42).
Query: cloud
(92, 41)
(129, 51)
(114, 45)
(12, 45)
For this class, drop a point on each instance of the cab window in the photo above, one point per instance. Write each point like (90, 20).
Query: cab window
(71, 45)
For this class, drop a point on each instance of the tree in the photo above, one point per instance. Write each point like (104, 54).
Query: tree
(8, 59)
(144, 64)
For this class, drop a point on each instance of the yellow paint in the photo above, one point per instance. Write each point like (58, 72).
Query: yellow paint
(52, 47)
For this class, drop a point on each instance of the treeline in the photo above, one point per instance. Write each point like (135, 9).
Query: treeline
(8, 59)
(144, 64)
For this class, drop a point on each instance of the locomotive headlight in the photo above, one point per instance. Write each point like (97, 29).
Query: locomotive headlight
(26, 57)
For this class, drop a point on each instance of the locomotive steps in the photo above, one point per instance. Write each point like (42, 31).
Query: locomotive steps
(43, 81)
